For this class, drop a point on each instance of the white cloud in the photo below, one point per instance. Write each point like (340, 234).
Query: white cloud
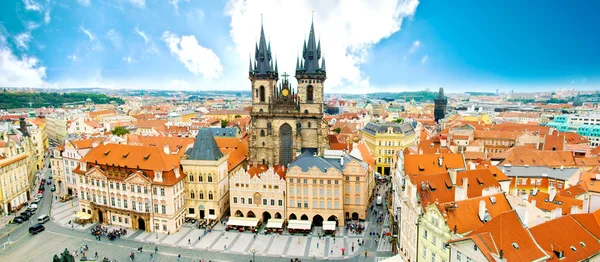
(175, 4)
(115, 38)
(32, 5)
(73, 57)
(424, 59)
(416, 44)
(31, 25)
(142, 34)
(47, 16)
(196, 58)
(22, 71)
(347, 30)
(94, 43)
(84, 2)
(22, 40)
(138, 3)
(128, 59)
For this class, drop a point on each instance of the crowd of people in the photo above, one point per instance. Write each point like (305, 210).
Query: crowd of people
(99, 231)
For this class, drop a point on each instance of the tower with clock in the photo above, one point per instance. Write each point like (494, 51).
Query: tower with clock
(286, 122)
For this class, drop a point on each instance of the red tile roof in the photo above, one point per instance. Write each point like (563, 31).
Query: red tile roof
(429, 163)
(565, 234)
(464, 215)
(542, 201)
(478, 180)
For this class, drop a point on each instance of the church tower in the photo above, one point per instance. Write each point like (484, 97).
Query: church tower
(439, 111)
(286, 122)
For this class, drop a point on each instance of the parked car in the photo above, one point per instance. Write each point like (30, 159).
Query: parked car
(53, 188)
(33, 207)
(17, 220)
(43, 219)
(37, 228)
(49, 182)
(50, 177)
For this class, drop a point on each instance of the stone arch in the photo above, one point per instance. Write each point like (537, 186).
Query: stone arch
(317, 220)
(239, 214)
(355, 216)
(304, 217)
(266, 216)
(262, 132)
(292, 216)
(250, 214)
(277, 215)
(210, 178)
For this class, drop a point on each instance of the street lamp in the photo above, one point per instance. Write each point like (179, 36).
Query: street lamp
(253, 251)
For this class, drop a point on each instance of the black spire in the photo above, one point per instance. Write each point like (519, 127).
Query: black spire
(263, 64)
(311, 54)
(23, 126)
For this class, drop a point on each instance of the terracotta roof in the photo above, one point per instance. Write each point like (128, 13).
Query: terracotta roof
(366, 153)
(591, 180)
(93, 124)
(574, 138)
(478, 180)
(565, 235)
(429, 163)
(474, 155)
(502, 135)
(460, 137)
(512, 238)
(554, 142)
(587, 161)
(498, 174)
(574, 191)
(432, 188)
(590, 221)
(560, 201)
(102, 112)
(595, 151)
(151, 123)
(260, 169)
(524, 155)
(37, 121)
(236, 148)
(149, 159)
(465, 214)
(86, 143)
(176, 145)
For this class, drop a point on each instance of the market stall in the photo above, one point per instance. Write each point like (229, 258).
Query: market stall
(274, 225)
(242, 223)
(329, 227)
(299, 226)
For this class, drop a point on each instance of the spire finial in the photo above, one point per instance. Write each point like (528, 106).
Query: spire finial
(313, 17)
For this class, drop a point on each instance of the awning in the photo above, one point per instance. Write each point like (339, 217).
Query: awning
(212, 217)
(83, 215)
(243, 221)
(275, 223)
(329, 225)
(299, 224)
(190, 216)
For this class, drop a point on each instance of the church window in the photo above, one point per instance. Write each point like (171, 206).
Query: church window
(200, 178)
(262, 132)
(262, 94)
(201, 195)
(210, 195)
(192, 195)
(209, 178)
(263, 143)
(309, 93)
(305, 111)
(308, 124)
(256, 93)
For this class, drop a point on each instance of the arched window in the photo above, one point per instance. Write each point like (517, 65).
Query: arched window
(210, 195)
(305, 111)
(201, 195)
(262, 94)
(262, 132)
(209, 178)
(200, 178)
(309, 93)
(192, 178)
(256, 92)
(308, 124)
(192, 195)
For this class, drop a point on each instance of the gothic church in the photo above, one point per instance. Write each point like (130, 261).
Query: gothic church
(286, 122)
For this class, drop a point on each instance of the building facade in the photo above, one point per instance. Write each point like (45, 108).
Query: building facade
(258, 192)
(138, 187)
(207, 186)
(14, 179)
(385, 140)
(286, 122)
(57, 169)
(439, 112)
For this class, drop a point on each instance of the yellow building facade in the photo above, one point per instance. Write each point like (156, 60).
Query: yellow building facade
(385, 139)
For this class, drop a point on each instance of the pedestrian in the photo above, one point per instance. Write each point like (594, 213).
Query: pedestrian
(331, 251)
(96, 254)
(317, 244)
(225, 247)
(352, 248)
(179, 257)
(365, 253)
(156, 250)
(189, 241)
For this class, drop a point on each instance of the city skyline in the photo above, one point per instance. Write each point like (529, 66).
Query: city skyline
(390, 46)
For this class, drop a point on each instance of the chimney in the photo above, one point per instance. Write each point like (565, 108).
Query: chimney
(452, 174)
(534, 202)
(95, 144)
(481, 210)
(472, 165)
(552, 193)
(342, 161)
(535, 191)
(440, 161)
(167, 149)
(23, 126)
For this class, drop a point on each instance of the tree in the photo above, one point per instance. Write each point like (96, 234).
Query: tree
(119, 131)
(338, 130)
(224, 122)
(399, 120)
(238, 116)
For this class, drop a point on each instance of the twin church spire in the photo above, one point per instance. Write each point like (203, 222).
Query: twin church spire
(265, 66)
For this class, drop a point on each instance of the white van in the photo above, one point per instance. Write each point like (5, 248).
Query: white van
(43, 219)
(379, 200)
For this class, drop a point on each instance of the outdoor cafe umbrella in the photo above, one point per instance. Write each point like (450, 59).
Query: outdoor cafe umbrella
(343, 250)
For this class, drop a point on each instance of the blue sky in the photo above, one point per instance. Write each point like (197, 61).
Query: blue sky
(369, 45)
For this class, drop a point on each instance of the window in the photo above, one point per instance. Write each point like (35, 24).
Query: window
(112, 201)
(337, 205)
(336, 192)
(305, 204)
(432, 257)
(118, 202)
(299, 204)
(292, 203)
(191, 178)
(306, 191)
(425, 234)
(110, 185)
(243, 201)
(272, 202)
(139, 189)
(424, 251)
(201, 195)
(309, 93)
(200, 178)
(164, 209)
(434, 240)
(156, 208)
(125, 203)
(249, 201)
(358, 201)
(140, 206)
(162, 192)
(262, 93)
(347, 200)
(235, 200)
(357, 189)
(321, 192)
(210, 178)
(145, 190)
(132, 188)
(210, 195)
(133, 204)
(458, 255)
(280, 202)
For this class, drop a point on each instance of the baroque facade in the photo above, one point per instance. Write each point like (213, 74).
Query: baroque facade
(286, 122)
